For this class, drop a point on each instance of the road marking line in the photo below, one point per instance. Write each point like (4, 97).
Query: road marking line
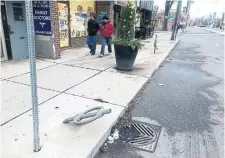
(217, 45)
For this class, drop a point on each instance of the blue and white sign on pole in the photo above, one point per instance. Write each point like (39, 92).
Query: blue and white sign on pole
(42, 18)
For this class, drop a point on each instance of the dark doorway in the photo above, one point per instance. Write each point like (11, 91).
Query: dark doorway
(6, 29)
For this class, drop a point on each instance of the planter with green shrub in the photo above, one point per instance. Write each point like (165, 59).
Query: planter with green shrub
(126, 46)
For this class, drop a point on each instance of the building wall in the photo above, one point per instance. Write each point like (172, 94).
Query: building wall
(48, 46)
(55, 29)
(77, 42)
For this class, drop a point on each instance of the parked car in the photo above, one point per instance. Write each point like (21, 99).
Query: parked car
(201, 25)
(222, 26)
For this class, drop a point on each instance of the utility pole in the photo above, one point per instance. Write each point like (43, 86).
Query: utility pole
(174, 33)
(189, 2)
(33, 79)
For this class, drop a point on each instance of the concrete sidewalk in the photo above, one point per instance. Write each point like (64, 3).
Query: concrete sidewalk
(215, 30)
(65, 87)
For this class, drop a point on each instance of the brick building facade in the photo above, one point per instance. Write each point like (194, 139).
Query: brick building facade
(100, 8)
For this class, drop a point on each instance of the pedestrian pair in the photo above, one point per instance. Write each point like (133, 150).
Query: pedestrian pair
(106, 32)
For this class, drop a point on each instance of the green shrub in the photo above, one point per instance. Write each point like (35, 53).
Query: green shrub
(126, 27)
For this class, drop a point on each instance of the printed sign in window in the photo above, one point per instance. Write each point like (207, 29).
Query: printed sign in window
(63, 24)
(79, 13)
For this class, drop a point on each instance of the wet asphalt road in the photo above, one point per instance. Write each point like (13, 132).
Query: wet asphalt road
(189, 105)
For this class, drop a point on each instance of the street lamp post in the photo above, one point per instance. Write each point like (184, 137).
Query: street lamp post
(32, 57)
(174, 33)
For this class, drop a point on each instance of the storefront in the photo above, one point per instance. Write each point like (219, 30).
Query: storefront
(72, 20)
(145, 21)
(58, 25)
(73, 32)
(13, 33)
(146, 18)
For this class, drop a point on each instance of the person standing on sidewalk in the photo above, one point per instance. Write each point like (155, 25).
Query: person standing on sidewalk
(106, 30)
(93, 28)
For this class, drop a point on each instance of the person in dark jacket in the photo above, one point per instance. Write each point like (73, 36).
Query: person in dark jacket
(178, 27)
(93, 28)
(106, 30)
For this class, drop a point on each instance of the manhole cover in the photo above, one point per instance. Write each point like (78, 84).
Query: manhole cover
(140, 135)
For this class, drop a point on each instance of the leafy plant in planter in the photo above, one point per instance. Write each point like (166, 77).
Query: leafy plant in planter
(126, 47)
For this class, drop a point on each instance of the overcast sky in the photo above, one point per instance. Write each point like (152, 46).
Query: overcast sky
(204, 7)
(199, 7)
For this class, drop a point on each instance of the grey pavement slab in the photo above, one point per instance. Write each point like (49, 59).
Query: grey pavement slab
(19, 67)
(75, 54)
(116, 88)
(58, 140)
(147, 62)
(93, 62)
(70, 54)
(16, 99)
(58, 78)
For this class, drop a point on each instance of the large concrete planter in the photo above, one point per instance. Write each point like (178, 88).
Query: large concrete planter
(125, 57)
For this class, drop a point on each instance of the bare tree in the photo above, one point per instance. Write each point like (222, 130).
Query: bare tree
(168, 5)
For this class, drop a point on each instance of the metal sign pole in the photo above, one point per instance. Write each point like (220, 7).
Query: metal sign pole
(32, 57)
(155, 44)
(174, 33)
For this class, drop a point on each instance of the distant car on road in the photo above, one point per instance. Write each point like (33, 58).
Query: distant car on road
(222, 26)
(201, 25)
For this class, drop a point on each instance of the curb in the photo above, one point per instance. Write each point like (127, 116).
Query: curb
(95, 150)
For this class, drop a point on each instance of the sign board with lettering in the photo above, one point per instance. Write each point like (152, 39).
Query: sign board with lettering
(42, 18)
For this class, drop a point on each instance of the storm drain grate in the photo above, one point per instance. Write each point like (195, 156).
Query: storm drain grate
(140, 135)
(146, 135)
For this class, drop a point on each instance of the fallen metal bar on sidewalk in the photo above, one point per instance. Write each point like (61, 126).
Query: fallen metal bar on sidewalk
(33, 79)
(88, 116)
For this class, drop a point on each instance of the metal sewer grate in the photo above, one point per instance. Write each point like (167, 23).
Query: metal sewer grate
(140, 135)
(144, 134)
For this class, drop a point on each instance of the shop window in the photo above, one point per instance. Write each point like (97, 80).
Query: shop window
(79, 14)
(18, 11)
(63, 24)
